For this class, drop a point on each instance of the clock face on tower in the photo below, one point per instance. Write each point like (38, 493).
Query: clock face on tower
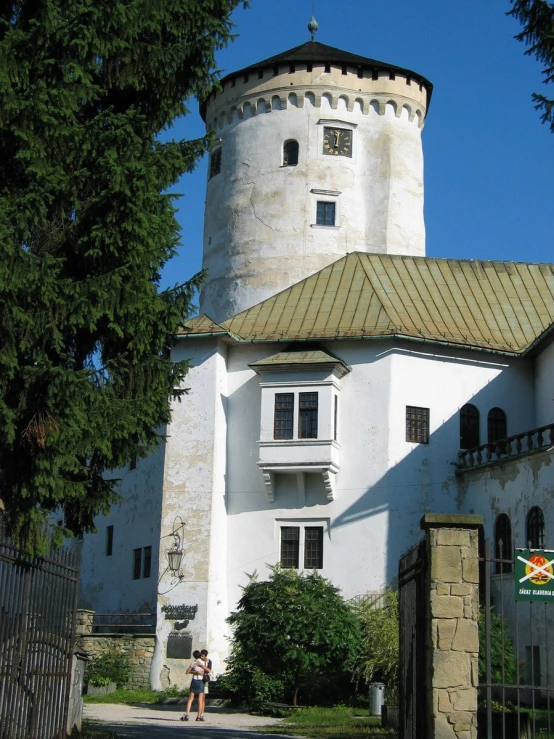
(337, 141)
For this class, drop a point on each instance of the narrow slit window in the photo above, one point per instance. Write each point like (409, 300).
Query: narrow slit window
(137, 563)
(215, 163)
(307, 419)
(109, 541)
(147, 564)
(313, 548)
(284, 416)
(290, 546)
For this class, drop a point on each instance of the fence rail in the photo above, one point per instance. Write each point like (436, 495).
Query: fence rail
(38, 599)
(510, 447)
(124, 623)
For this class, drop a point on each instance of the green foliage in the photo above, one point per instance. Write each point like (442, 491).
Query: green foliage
(537, 19)
(503, 655)
(86, 226)
(110, 667)
(379, 655)
(293, 628)
(251, 685)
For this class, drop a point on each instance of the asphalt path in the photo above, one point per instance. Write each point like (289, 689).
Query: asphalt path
(163, 722)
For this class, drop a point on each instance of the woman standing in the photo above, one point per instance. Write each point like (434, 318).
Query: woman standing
(196, 669)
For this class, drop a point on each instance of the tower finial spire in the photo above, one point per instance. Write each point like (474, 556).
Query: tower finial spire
(313, 26)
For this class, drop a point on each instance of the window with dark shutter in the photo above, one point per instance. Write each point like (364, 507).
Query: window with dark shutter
(469, 427)
(147, 564)
(325, 215)
(290, 154)
(137, 562)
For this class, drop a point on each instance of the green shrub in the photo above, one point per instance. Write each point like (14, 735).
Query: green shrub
(110, 667)
(503, 654)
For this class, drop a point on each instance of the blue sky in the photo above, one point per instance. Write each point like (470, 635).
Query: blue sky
(489, 161)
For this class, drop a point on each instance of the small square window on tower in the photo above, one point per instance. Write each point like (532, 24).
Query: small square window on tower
(417, 424)
(215, 162)
(325, 215)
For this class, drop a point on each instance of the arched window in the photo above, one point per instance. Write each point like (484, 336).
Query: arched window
(290, 154)
(535, 528)
(496, 425)
(469, 427)
(503, 543)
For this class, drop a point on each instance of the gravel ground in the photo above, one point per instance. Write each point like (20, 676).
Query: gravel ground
(163, 722)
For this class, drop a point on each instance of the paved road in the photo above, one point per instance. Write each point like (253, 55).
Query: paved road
(163, 722)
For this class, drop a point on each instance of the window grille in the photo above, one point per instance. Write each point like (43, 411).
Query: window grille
(417, 424)
(325, 215)
(290, 154)
(307, 422)
(469, 427)
(290, 546)
(215, 162)
(503, 543)
(535, 528)
(313, 547)
(284, 413)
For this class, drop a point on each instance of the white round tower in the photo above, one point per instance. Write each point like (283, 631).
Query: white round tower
(318, 154)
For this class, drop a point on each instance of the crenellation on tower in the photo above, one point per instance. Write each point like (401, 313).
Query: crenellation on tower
(317, 154)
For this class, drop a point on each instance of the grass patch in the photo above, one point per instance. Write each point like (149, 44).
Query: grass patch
(142, 695)
(95, 731)
(331, 723)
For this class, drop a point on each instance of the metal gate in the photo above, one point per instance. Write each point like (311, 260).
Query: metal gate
(516, 684)
(38, 600)
(412, 667)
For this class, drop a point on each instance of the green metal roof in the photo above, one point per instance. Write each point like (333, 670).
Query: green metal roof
(312, 358)
(496, 306)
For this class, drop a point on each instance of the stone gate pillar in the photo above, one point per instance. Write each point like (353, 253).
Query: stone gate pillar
(452, 617)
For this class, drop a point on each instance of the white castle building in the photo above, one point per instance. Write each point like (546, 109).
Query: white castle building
(339, 376)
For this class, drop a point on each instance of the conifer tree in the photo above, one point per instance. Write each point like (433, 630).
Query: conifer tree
(537, 19)
(86, 225)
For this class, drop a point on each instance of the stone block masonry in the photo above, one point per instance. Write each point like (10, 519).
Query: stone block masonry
(139, 648)
(452, 623)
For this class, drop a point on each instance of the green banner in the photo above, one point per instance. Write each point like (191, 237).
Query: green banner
(534, 574)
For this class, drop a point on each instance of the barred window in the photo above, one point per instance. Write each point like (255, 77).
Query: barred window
(313, 547)
(469, 427)
(215, 162)
(535, 528)
(503, 543)
(417, 424)
(290, 546)
(325, 215)
(284, 415)
(290, 154)
(307, 421)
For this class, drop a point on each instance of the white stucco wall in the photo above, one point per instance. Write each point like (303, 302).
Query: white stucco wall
(107, 584)
(544, 398)
(260, 233)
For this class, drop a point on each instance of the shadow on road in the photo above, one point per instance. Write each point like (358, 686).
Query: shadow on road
(193, 731)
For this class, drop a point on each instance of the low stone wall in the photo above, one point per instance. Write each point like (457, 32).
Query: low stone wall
(139, 648)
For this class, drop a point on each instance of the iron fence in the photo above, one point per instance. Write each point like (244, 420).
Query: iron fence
(515, 659)
(38, 600)
(124, 623)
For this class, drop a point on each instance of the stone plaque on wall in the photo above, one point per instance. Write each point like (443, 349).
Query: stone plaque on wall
(179, 646)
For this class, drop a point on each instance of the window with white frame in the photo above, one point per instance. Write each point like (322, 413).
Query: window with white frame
(301, 546)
